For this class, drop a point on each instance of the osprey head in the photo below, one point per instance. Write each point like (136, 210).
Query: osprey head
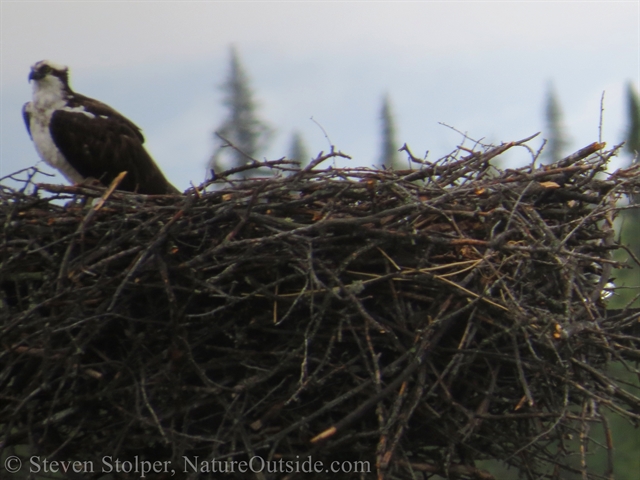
(47, 70)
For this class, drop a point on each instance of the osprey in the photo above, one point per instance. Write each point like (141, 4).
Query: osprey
(84, 138)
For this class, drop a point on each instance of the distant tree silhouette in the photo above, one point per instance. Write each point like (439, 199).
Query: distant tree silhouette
(242, 127)
(632, 145)
(630, 219)
(625, 437)
(389, 155)
(557, 140)
(298, 150)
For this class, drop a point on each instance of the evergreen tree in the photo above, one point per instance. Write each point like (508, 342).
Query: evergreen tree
(630, 224)
(633, 133)
(389, 155)
(625, 439)
(298, 150)
(242, 127)
(557, 140)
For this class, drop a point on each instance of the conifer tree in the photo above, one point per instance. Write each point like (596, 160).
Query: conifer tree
(630, 225)
(389, 154)
(298, 150)
(632, 145)
(242, 127)
(557, 140)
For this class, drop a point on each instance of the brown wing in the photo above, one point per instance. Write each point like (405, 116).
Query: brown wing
(102, 144)
(91, 105)
(26, 116)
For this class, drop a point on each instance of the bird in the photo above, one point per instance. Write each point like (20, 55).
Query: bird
(86, 139)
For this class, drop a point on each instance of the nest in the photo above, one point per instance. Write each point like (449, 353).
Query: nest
(389, 324)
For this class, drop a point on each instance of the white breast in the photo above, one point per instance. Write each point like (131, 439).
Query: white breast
(47, 98)
(47, 149)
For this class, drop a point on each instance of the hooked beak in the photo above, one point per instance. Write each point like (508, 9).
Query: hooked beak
(35, 75)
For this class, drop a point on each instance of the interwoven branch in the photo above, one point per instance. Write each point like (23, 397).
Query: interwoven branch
(418, 320)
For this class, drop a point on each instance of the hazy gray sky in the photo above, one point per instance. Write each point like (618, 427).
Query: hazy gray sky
(480, 66)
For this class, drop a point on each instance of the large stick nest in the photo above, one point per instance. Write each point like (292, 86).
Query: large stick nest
(416, 321)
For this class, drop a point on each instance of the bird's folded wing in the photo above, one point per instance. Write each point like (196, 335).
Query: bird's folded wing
(102, 146)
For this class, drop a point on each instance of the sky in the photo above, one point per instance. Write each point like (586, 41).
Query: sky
(322, 68)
